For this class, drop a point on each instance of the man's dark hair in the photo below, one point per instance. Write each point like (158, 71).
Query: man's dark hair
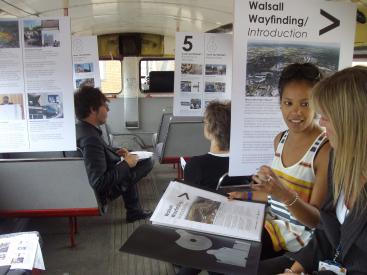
(87, 98)
(299, 72)
(217, 118)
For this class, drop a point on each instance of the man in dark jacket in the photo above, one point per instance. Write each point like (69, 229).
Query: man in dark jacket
(108, 174)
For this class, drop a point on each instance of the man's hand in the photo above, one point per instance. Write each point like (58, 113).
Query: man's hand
(122, 152)
(131, 160)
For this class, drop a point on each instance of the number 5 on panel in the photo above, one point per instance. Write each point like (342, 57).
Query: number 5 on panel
(187, 43)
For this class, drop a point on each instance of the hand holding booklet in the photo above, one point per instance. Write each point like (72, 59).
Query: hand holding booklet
(188, 207)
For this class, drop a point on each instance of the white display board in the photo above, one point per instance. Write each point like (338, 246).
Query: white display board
(85, 62)
(269, 35)
(203, 71)
(36, 78)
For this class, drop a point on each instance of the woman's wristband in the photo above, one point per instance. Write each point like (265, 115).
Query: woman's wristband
(249, 195)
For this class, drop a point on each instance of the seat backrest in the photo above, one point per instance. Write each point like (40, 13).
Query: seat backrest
(47, 184)
(163, 126)
(185, 137)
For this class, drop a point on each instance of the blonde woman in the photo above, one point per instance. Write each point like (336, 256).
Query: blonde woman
(342, 237)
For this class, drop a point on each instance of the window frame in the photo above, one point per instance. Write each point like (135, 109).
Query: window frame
(122, 82)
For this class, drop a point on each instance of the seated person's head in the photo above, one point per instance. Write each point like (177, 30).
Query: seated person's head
(217, 120)
(298, 72)
(341, 99)
(90, 101)
(5, 99)
(295, 86)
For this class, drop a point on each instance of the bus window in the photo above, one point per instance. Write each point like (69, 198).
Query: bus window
(148, 65)
(111, 77)
(361, 63)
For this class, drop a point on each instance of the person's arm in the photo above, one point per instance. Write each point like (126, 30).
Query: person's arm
(99, 175)
(122, 152)
(306, 213)
(254, 196)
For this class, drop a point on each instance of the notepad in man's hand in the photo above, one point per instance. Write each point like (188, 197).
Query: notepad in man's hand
(140, 154)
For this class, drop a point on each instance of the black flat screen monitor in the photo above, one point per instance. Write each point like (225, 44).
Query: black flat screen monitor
(161, 81)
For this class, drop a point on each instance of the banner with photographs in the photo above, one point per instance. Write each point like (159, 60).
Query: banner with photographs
(203, 71)
(268, 36)
(85, 62)
(36, 92)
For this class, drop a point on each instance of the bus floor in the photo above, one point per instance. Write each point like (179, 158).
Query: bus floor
(99, 238)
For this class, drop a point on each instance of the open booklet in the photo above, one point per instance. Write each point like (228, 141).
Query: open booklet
(21, 251)
(187, 207)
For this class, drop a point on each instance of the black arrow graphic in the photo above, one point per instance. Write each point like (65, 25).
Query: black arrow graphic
(184, 194)
(336, 22)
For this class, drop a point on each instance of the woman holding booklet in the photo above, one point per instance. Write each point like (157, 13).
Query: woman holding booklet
(340, 242)
(295, 184)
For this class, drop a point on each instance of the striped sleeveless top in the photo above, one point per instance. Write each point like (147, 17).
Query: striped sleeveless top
(285, 231)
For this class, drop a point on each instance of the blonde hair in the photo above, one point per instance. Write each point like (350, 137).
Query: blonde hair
(218, 122)
(342, 97)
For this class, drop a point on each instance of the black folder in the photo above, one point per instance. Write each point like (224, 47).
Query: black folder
(194, 249)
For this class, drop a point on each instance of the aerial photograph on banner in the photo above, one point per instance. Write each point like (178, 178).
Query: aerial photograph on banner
(265, 62)
(9, 34)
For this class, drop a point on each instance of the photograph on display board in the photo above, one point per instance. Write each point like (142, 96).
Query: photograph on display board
(83, 68)
(41, 33)
(195, 103)
(215, 87)
(185, 86)
(187, 68)
(9, 34)
(265, 62)
(11, 107)
(84, 82)
(190, 86)
(215, 69)
(45, 105)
